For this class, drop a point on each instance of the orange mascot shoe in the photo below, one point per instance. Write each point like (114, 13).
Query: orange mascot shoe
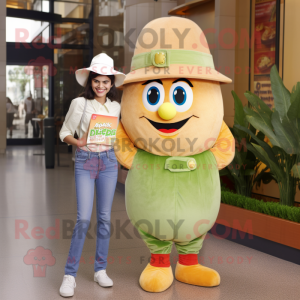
(189, 271)
(158, 275)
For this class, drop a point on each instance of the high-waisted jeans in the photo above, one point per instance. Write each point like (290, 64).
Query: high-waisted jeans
(92, 169)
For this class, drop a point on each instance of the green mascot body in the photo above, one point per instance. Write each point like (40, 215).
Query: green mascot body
(173, 206)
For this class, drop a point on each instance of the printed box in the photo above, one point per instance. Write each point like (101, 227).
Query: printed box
(102, 130)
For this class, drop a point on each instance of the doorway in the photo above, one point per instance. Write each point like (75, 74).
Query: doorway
(27, 90)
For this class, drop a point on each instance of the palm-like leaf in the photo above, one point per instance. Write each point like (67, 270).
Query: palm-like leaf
(284, 133)
(263, 156)
(296, 171)
(282, 96)
(261, 143)
(260, 117)
(239, 116)
(260, 108)
(294, 111)
(242, 171)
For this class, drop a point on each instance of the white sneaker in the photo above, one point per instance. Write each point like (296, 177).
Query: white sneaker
(102, 278)
(67, 286)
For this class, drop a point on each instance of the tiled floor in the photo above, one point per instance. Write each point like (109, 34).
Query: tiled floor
(34, 197)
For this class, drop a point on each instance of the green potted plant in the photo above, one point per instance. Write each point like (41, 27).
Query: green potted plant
(282, 127)
(271, 221)
(244, 171)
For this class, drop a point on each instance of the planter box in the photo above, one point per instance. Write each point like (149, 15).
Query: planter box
(267, 227)
(271, 235)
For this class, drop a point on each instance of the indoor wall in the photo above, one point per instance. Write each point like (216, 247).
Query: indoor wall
(242, 51)
(137, 14)
(213, 17)
(291, 60)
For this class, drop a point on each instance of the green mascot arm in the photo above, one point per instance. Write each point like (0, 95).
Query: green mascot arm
(124, 148)
(224, 148)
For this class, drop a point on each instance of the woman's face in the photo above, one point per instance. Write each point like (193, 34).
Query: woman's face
(101, 85)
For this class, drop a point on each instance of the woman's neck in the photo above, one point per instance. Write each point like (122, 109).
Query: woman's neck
(101, 100)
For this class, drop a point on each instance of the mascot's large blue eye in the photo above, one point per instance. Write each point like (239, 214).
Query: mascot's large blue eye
(179, 95)
(153, 96)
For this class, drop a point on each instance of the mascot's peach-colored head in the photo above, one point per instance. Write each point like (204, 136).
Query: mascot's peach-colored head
(172, 102)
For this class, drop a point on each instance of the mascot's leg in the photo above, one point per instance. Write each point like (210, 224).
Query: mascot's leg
(158, 275)
(188, 270)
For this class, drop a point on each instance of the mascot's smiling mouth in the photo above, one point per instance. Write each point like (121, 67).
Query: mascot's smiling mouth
(168, 127)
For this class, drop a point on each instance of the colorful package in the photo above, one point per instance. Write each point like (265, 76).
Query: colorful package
(102, 130)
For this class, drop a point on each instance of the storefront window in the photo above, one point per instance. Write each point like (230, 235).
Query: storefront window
(27, 91)
(73, 48)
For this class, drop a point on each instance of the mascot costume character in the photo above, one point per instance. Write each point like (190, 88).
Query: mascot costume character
(173, 139)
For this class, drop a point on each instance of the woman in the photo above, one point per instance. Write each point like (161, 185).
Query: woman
(10, 112)
(30, 110)
(95, 165)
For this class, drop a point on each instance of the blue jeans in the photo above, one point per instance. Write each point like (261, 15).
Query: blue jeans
(100, 169)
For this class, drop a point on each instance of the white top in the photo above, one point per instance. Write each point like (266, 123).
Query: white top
(28, 105)
(38, 105)
(73, 117)
(10, 108)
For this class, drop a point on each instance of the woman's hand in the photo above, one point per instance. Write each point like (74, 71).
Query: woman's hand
(83, 140)
(70, 140)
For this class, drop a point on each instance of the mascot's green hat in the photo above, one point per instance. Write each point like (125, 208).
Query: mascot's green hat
(172, 47)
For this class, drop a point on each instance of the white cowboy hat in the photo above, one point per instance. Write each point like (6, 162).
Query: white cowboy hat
(103, 65)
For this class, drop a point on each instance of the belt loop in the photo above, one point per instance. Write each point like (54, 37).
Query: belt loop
(107, 154)
(89, 154)
(99, 154)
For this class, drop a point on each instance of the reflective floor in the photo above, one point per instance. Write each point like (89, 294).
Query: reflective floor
(19, 128)
(34, 199)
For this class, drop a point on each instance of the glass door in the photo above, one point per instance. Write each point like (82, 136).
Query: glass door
(27, 90)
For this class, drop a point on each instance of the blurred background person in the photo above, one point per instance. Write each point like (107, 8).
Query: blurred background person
(21, 110)
(38, 105)
(10, 112)
(29, 110)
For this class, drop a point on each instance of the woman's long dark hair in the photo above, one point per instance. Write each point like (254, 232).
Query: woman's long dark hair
(89, 94)
(8, 100)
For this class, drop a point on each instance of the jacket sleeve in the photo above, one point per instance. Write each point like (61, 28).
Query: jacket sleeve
(124, 148)
(224, 148)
